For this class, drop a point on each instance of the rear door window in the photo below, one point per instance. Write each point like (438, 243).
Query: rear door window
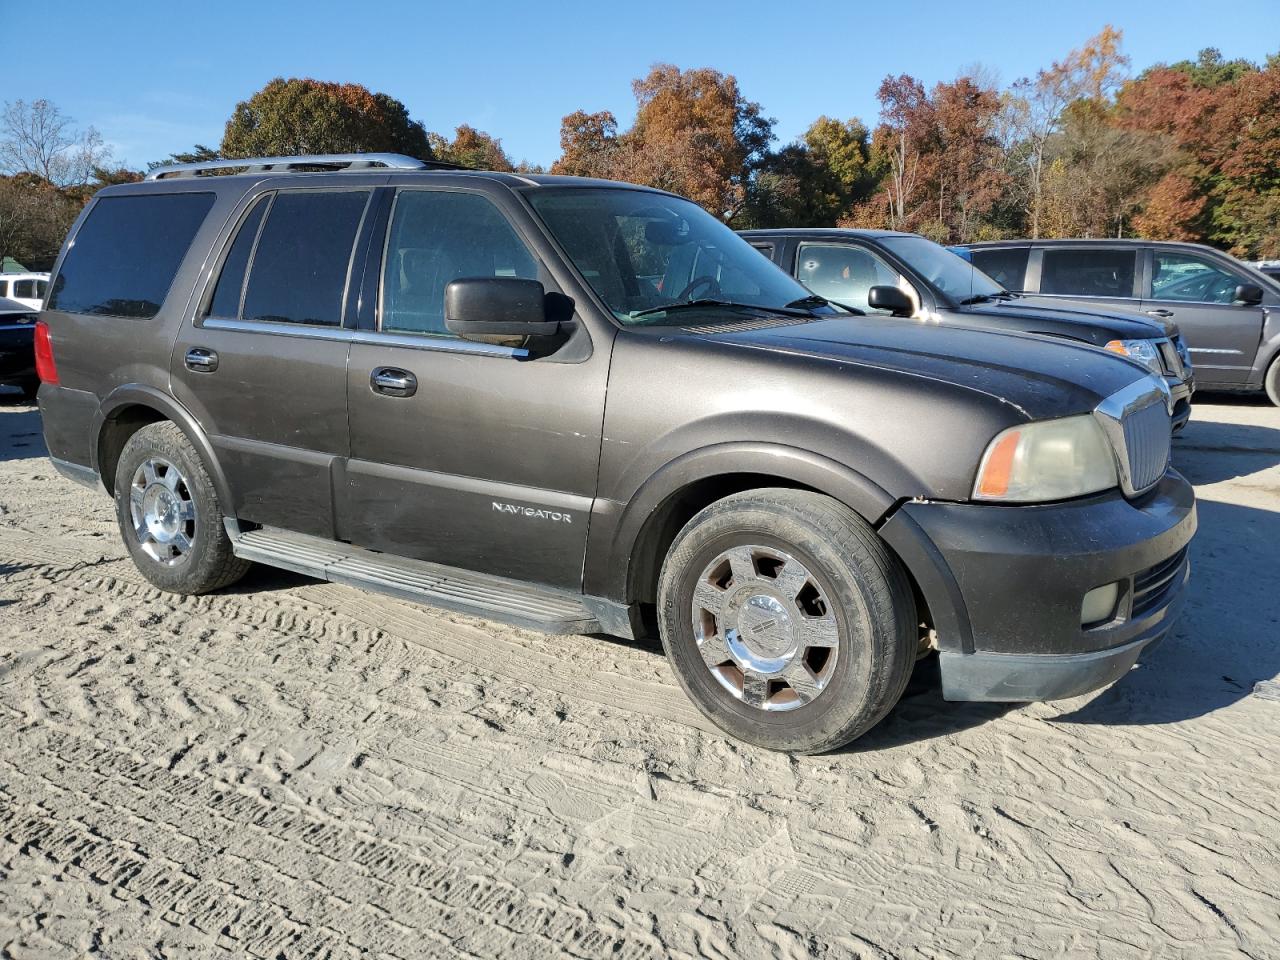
(1007, 266)
(303, 257)
(436, 237)
(230, 288)
(127, 252)
(1088, 273)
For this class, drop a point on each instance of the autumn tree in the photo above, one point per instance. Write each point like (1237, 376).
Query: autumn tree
(34, 217)
(303, 116)
(471, 148)
(1037, 107)
(37, 138)
(589, 145)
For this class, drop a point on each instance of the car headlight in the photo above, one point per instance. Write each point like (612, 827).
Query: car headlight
(1047, 460)
(1140, 351)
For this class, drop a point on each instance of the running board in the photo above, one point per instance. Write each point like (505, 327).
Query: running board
(496, 598)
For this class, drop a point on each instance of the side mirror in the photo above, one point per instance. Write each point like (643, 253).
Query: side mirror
(480, 308)
(1248, 294)
(893, 299)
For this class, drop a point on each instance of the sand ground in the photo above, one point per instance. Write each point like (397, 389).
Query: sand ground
(294, 769)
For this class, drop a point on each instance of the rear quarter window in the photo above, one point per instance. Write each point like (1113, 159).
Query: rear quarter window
(126, 254)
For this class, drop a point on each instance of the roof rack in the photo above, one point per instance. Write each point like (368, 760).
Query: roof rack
(333, 161)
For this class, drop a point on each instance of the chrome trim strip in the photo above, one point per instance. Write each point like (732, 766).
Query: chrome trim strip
(1111, 413)
(1212, 350)
(371, 338)
(347, 161)
(538, 496)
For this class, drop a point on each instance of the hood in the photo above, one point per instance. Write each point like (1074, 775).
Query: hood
(1039, 377)
(1091, 322)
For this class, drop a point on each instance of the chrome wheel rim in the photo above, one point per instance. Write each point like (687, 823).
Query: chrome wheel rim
(765, 628)
(162, 511)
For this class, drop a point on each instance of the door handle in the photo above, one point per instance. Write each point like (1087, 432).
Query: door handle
(201, 360)
(393, 382)
(1162, 313)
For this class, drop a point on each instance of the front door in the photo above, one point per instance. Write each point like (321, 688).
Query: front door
(468, 454)
(263, 366)
(1198, 294)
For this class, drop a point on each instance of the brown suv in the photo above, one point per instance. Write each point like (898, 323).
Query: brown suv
(586, 406)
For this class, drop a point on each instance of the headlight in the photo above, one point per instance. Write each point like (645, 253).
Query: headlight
(1141, 351)
(1047, 460)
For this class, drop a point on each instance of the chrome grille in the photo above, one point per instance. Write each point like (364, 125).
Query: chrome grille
(1147, 432)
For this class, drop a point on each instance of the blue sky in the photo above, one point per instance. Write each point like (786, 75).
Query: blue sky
(158, 77)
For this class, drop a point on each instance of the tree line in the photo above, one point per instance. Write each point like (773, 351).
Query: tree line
(1184, 151)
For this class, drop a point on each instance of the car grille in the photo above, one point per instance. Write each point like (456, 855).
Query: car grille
(1147, 434)
(1151, 586)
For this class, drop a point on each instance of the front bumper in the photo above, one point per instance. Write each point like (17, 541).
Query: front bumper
(1004, 585)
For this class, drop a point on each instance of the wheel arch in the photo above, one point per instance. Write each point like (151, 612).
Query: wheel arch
(128, 409)
(664, 503)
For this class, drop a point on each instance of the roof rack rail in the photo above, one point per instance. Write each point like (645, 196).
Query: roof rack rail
(334, 161)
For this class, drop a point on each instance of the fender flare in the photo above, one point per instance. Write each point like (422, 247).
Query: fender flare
(626, 542)
(139, 394)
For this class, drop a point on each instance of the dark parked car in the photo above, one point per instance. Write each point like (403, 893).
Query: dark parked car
(17, 358)
(1228, 313)
(585, 406)
(909, 276)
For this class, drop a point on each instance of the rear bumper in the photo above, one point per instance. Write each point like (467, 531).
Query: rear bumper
(1005, 584)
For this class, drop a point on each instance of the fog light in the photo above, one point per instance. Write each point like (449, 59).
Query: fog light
(1099, 605)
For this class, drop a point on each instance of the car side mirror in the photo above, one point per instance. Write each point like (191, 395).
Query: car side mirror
(893, 299)
(1248, 294)
(484, 308)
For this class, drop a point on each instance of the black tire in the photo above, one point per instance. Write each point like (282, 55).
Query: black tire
(208, 562)
(871, 600)
(1273, 381)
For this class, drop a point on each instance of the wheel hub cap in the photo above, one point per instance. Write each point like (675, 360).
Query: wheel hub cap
(162, 511)
(764, 628)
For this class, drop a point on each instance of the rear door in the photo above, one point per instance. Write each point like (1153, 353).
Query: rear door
(473, 455)
(1007, 266)
(1198, 294)
(263, 366)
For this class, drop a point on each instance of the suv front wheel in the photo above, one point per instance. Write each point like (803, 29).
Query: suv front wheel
(787, 620)
(169, 515)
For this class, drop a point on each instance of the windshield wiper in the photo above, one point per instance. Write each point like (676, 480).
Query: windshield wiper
(987, 298)
(712, 302)
(817, 301)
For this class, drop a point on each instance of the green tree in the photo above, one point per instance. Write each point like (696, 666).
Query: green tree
(304, 116)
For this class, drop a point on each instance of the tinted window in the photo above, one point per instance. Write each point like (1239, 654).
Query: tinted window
(437, 237)
(226, 296)
(299, 269)
(127, 252)
(1181, 277)
(24, 288)
(1007, 267)
(42, 287)
(1088, 273)
(843, 273)
(4, 288)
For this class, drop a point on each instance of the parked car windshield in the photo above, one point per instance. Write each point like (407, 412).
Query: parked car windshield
(645, 252)
(953, 276)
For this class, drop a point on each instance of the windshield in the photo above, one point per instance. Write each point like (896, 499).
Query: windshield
(645, 252)
(954, 276)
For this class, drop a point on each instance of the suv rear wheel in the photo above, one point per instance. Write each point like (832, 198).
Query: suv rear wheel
(786, 619)
(169, 515)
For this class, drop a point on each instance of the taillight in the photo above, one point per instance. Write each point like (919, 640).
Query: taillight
(46, 370)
